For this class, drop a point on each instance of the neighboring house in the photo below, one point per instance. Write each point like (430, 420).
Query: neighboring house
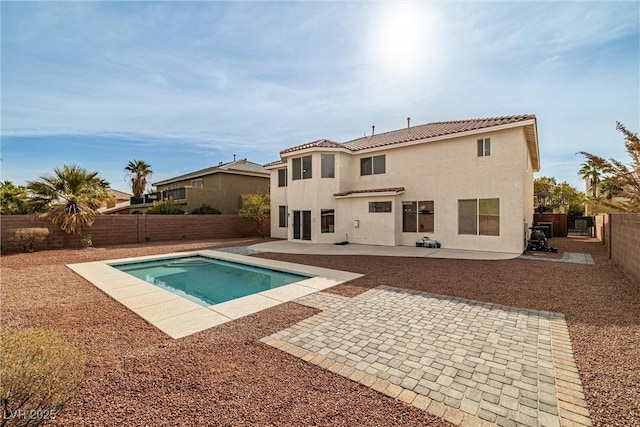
(467, 184)
(222, 187)
(117, 204)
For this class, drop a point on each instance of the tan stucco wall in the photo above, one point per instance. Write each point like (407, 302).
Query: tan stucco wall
(443, 171)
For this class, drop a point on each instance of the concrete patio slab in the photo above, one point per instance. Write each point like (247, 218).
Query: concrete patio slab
(285, 246)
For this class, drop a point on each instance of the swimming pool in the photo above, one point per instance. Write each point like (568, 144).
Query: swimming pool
(208, 281)
(177, 313)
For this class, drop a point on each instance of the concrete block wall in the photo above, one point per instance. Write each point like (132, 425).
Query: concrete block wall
(109, 230)
(625, 243)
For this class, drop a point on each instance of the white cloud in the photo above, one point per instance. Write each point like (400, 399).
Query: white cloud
(264, 76)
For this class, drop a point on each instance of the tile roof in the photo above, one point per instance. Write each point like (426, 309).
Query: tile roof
(371, 190)
(431, 130)
(318, 143)
(426, 131)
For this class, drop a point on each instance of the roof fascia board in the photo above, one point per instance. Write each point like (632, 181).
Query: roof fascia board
(536, 166)
(278, 166)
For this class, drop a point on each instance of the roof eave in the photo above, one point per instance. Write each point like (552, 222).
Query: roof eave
(275, 166)
(531, 135)
(369, 194)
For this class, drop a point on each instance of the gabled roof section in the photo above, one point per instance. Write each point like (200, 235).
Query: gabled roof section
(241, 167)
(432, 130)
(320, 143)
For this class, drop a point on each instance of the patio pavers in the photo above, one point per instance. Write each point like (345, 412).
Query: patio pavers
(469, 362)
(570, 257)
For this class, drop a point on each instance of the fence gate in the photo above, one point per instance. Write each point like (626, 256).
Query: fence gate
(580, 226)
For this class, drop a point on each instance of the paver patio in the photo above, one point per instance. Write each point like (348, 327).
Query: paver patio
(469, 362)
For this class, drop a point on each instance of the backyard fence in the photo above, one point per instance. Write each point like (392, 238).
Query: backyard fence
(110, 230)
(557, 222)
(620, 233)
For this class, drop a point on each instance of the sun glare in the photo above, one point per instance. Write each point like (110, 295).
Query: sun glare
(401, 38)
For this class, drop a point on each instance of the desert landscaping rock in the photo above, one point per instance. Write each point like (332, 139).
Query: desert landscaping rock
(138, 376)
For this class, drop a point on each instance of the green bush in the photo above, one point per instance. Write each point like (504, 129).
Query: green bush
(86, 241)
(27, 238)
(206, 210)
(40, 372)
(168, 207)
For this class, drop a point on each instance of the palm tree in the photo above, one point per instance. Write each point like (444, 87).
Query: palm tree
(138, 171)
(74, 195)
(591, 172)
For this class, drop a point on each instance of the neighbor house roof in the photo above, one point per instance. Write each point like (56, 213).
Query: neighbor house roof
(120, 195)
(433, 130)
(241, 167)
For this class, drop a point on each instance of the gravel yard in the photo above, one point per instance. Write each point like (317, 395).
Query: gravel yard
(225, 376)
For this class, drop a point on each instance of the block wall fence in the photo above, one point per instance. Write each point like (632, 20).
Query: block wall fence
(110, 230)
(620, 233)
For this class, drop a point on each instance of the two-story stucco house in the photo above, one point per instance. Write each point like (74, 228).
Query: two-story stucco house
(222, 187)
(467, 184)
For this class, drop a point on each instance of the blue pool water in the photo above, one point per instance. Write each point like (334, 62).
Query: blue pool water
(208, 281)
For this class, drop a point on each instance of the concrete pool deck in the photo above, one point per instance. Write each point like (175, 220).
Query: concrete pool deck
(469, 362)
(178, 317)
(285, 246)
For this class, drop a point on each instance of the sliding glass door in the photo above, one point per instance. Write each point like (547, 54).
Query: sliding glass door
(302, 225)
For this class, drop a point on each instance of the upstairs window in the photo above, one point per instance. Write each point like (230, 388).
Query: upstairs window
(197, 183)
(328, 166)
(301, 168)
(373, 165)
(484, 147)
(282, 177)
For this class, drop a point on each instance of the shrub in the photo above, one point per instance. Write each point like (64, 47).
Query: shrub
(40, 372)
(256, 208)
(206, 210)
(168, 207)
(26, 238)
(86, 241)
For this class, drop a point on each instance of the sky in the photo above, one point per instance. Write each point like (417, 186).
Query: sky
(186, 85)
